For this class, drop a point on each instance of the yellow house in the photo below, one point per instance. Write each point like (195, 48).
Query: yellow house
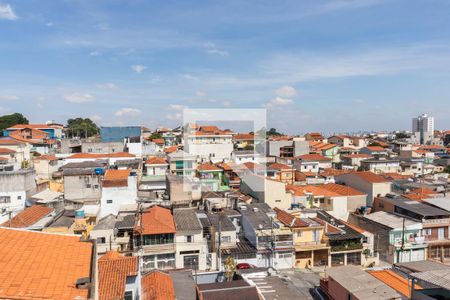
(310, 242)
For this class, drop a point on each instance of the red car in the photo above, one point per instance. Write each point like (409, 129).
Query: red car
(244, 266)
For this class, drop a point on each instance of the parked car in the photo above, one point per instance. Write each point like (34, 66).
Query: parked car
(243, 266)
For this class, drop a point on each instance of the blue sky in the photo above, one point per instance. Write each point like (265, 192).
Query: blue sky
(330, 66)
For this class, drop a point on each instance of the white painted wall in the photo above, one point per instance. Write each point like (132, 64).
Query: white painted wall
(119, 196)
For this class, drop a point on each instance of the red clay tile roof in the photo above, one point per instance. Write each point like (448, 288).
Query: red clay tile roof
(342, 190)
(98, 155)
(253, 166)
(28, 216)
(9, 141)
(155, 160)
(158, 141)
(208, 128)
(32, 126)
(333, 172)
(315, 190)
(37, 265)
(289, 220)
(6, 151)
(370, 177)
(395, 176)
(156, 220)
(244, 136)
(116, 178)
(46, 157)
(171, 149)
(313, 157)
(157, 285)
(279, 167)
(299, 176)
(113, 269)
(3, 158)
(208, 167)
(376, 148)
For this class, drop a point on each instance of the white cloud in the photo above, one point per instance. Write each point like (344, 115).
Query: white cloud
(7, 13)
(286, 91)
(138, 68)
(49, 24)
(211, 48)
(200, 94)
(278, 101)
(79, 98)
(107, 86)
(189, 77)
(127, 111)
(6, 97)
(174, 116)
(95, 53)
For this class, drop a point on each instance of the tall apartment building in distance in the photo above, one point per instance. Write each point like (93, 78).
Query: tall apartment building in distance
(423, 129)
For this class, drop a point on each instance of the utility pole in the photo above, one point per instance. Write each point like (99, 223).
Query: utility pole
(219, 254)
(272, 243)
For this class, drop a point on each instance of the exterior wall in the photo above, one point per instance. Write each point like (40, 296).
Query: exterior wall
(215, 149)
(119, 196)
(384, 167)
(101, 147)
(15, 187)
(371, 189)
(198, 244)
(354, 202)
(156, 169)
(45, 168)
(75, 188)
(109, 243)
(117, 134)
(268, 191)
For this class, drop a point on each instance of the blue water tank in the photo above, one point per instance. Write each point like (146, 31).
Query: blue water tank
(133, 173)
(79, 214)
(98, 171)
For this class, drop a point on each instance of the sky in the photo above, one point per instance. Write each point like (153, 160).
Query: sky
(328, 66)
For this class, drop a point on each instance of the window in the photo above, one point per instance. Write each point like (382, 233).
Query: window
(277, 200)
(189, 239)
(109, 201)
(88, 185)
(286, 255)
(101, 240)
(426, 231)
(128, 295)
(5, 199)
(299, 234)
(226, 239)
(19, 197)
(96, 186)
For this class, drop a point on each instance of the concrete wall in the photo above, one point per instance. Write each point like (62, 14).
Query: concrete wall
(119, 195)
(198, 244)
(101, 147)
(75, 187)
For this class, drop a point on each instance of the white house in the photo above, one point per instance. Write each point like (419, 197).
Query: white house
(209, 144)
(119, 188)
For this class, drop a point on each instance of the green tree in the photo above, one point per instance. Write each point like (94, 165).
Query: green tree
(447, 169)
(7, 121)
(155, 135)
(81, 127)
(273, 131)
(374, 144)
(230, 268)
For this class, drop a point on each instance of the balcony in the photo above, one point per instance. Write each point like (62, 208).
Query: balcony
(159, 248)
(435, 222)
(122, 240)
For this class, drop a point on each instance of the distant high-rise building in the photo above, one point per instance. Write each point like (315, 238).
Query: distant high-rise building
(423, 129)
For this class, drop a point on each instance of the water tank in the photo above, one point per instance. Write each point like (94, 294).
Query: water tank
(79, 214)
(98, 171)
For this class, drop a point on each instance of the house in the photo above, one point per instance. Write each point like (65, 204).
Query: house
(375, 151)
(315, 136)
(53, 131)
(154, 179)
(328, 150)
(110, 158)
(435, 223)
(183, 191)
(34, 217)
(367, 182)
(39, 140)
(273, 241)
(341, 140)
(281, 172)
(381, 165)
(398, 239)
(157, 285)
(15, 188)
(64, 260)
(244, 141)
(286, 148)
(119, 189)
(118, 277)
(351, 282)
(244, 156)
(103, 234)
(266, 190)
(353, 161)
(209, 143)
(191, 247)
(154, 233)
(182, 163)
(311, 248)
(45, 166)
(346, 244)
(211, 177)
(370, 256)
(312, 163)
(82, 181)
(22, 150)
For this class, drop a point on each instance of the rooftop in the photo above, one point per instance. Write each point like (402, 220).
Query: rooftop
(28, 216)
(390, 220)
(38, 265)
(186, 220)
(156, 220)
(157, 285)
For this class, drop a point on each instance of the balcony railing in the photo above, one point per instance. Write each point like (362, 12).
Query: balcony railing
(158, 248)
